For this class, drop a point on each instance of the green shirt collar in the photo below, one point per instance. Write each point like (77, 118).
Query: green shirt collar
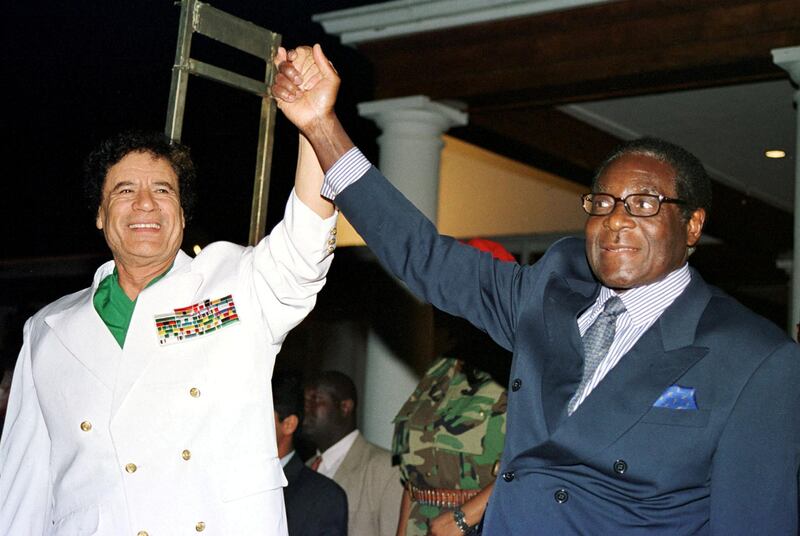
(115, 307)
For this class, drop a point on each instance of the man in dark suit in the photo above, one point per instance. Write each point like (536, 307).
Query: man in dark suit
(315, 504)
(642, 399)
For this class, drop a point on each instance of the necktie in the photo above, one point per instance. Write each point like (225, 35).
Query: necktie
(596, 342)
(316, 462)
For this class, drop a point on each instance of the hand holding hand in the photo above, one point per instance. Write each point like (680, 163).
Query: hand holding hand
(306, 86)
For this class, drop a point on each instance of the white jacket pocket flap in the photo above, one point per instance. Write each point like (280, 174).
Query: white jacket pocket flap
(241, 479)
(83, 522)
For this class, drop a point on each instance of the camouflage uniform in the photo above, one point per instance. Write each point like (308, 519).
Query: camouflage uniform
(449, 434)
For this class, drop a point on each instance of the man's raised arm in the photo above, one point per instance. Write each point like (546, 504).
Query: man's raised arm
(435, 268)
(308, 180)
(305, 90)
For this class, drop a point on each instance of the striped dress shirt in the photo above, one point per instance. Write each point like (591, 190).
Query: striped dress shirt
(643, 306)
(348, 169)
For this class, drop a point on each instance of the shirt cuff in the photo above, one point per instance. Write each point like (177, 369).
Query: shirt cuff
(347, 170)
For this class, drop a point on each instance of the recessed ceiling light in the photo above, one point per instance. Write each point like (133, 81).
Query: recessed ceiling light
(775, 153)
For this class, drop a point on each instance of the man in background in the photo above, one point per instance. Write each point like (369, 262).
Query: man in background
(364, 470)
(315, 504)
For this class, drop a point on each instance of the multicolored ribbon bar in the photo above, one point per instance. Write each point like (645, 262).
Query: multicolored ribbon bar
(195, 320)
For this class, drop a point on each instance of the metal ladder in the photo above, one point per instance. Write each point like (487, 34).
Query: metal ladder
(198, 17)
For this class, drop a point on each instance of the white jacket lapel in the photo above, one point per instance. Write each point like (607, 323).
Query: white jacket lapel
(84, 334)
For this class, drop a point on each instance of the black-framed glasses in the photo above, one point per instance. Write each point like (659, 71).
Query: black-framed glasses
(639, 205)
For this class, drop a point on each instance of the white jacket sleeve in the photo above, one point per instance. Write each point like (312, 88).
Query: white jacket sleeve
(24, 454)
(289, 266)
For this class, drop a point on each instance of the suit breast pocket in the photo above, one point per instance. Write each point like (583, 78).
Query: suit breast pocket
(694, 418)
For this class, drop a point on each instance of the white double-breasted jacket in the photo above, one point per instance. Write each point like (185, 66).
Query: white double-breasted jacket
(157, 438)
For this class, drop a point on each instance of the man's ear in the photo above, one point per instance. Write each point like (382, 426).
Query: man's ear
(289, 424)
(98, 221)
(346, 407)
(694, 227)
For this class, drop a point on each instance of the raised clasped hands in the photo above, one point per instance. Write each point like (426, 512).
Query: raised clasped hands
(305, 86)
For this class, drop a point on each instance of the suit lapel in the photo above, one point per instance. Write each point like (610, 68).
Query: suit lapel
(660, 357)
(177, 289)
(562, 364)
(84, 334)
(351, 462)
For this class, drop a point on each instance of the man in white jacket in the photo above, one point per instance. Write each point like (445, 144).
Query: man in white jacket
(138, 405)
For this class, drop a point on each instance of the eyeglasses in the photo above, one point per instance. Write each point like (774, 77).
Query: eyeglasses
(640, 205)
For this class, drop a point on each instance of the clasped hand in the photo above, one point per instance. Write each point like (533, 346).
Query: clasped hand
(305, 86)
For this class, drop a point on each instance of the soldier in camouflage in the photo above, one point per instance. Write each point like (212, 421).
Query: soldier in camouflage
(448, 439)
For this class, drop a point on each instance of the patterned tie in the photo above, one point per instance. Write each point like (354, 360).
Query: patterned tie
(315, 464)
(596, 342)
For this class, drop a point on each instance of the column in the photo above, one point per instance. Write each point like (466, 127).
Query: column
(788, 59)
(410, 149)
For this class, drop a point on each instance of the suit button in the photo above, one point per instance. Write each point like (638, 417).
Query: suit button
(131, 468)
(194, 392)
(620, 466)
(186, 454)
(86, 426)
(516, 384)
(200, 527)
(561, 496)
(508, 476)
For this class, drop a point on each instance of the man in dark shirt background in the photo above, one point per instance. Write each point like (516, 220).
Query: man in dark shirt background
(315, 504)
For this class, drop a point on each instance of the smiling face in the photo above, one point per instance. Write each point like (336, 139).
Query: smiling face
(625, 251)
(140, 213)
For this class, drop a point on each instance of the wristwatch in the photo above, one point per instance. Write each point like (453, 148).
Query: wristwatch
(461, 523)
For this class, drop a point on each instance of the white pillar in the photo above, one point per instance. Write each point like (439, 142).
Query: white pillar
(410, 148)
(788, 59)
(411, 144)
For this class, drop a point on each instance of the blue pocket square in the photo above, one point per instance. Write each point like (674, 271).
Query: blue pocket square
(676, 397)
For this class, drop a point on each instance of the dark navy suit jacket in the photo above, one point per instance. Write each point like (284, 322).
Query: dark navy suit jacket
(315, 504)
(618, 465)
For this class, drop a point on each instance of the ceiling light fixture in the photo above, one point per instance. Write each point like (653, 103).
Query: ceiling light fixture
(775, 153)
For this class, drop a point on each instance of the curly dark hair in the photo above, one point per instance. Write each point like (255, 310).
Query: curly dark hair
(115, 148)
(692, 183)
